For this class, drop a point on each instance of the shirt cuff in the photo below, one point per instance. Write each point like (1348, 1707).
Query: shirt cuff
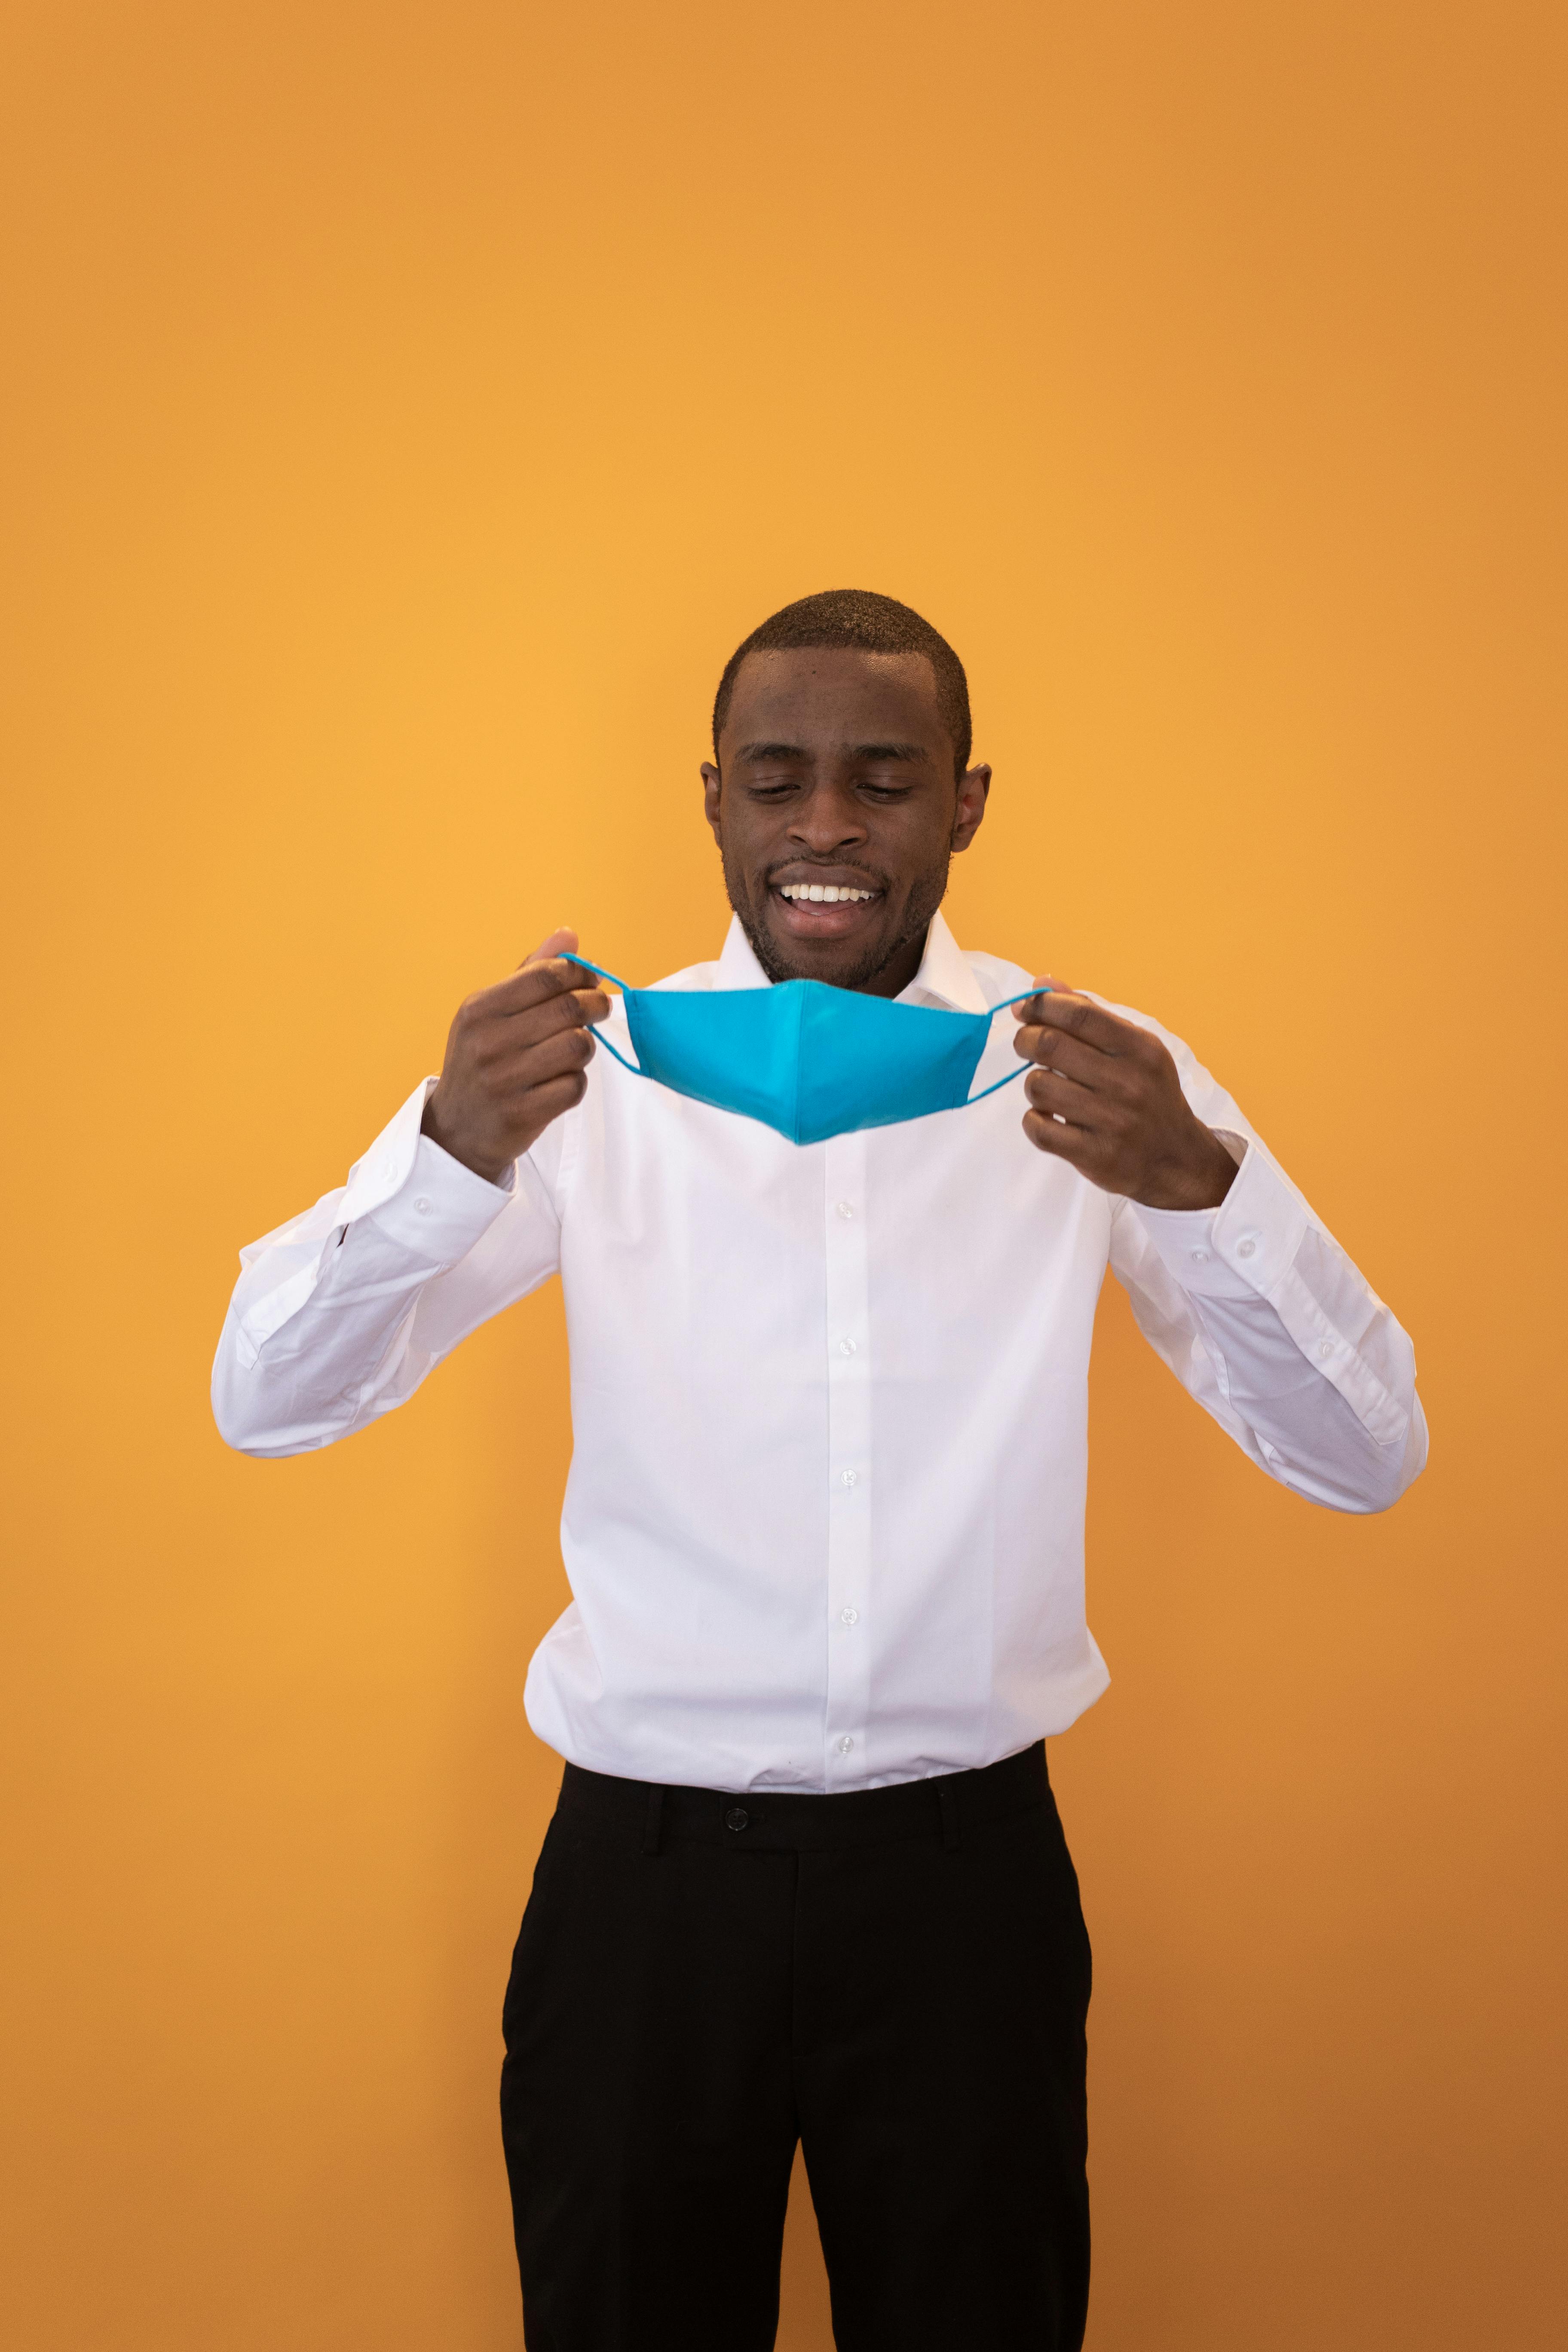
(443, 1208)
(418, 1195)
(1242, 1249)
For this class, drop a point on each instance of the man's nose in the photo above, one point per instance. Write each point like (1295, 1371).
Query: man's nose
(827, 819)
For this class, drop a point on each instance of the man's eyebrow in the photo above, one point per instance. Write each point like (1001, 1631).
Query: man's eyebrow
(864, 751)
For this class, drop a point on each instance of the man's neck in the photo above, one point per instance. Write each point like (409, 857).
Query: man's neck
(890, 979)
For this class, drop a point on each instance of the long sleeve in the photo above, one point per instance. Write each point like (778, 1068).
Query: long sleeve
(1269, 1325)
(339, 1315)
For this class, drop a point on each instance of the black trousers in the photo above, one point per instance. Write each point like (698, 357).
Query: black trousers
(897, 1977)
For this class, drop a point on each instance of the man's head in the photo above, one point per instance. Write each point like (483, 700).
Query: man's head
(841, 742)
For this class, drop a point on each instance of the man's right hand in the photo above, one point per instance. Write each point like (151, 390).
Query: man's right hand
(517, 1056)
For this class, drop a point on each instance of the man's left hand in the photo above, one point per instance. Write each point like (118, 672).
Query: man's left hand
(1104, 1095)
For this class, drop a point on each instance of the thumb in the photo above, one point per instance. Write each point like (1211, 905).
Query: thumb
(565, 937)
(1030, 1013)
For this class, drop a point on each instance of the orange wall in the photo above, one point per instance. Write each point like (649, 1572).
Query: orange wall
(410, 408)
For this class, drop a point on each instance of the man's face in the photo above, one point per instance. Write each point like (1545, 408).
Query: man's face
(836, 774)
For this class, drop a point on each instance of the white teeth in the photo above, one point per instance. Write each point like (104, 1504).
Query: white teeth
(829, 893)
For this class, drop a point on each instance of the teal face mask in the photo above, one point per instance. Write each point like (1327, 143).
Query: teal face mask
(809, 1060)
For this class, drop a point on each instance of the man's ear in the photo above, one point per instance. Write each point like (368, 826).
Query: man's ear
(711, 789)
(974, 786)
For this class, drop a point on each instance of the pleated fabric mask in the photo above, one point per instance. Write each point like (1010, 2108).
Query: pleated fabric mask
(806, 1059)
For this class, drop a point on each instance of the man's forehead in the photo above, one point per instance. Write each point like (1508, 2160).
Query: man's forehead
(828, 683)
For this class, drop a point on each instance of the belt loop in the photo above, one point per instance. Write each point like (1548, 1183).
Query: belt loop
(655, 1817)
(947, 1798)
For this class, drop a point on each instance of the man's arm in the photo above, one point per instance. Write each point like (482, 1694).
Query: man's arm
(340, 1314)
(1233, 1281)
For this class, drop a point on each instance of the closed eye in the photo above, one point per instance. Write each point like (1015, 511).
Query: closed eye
(911, 758)
(755, 759)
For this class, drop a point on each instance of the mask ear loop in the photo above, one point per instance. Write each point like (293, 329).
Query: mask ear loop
(1024, 1067)
(600, 974)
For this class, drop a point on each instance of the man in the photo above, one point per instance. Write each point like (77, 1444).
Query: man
(823, 1528)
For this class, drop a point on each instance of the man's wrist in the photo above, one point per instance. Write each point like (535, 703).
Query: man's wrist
(491, 1171)
(1199, 1180)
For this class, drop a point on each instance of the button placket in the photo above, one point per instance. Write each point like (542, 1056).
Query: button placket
(849, 1465)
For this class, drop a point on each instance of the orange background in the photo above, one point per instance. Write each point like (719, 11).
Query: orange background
(409, 406)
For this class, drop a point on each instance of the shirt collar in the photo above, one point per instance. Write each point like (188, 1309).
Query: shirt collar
(944, 977)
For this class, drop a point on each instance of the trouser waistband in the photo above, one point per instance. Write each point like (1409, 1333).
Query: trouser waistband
(786, 1820)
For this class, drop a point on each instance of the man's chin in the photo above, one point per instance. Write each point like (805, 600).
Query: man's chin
(852, 960)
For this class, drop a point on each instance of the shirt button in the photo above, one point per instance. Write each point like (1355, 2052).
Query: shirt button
(1247, 1248)
(423, 1205)
(844, 1745)
(736, 1817)
(849, 1616)
(1200, 1258)
(1325, 1348)
(845, 1210)
(847, 1347)
(848, 1477)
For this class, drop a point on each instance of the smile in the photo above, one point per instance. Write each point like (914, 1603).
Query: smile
(825, 893)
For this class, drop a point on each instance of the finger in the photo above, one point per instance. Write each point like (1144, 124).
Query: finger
(1077, 1016)
(531, 984)
(555, 1057)
(513, 1063)
(568, 1010)
(1057, 1049)
(549, 951)
(556, 1095)
(565, 937)
(1062, 1097)
(560, 1095)
(1048, 986)
(1062, 1141)
(504, 1054)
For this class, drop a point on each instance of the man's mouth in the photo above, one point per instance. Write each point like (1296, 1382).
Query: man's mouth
(822, 893)
(823, 911)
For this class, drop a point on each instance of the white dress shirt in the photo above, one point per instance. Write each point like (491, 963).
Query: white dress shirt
(824, 1522)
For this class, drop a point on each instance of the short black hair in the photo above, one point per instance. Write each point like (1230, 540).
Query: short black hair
(873, 624)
